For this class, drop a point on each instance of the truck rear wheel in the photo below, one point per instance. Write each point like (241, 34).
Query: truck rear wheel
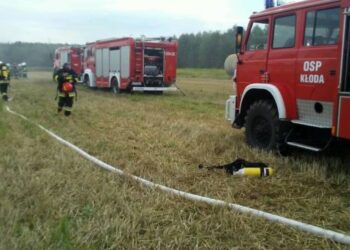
(262, 126)
(115, 86)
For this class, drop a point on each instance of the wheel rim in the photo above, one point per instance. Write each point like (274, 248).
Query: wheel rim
(261, 132)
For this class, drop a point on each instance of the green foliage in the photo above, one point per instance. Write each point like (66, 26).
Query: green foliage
(34, 54)
(258, 36)
(201, 50)
(88, 211)
(206, 49)
(61, 237)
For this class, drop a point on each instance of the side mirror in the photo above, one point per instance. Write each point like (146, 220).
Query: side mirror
(239, 38)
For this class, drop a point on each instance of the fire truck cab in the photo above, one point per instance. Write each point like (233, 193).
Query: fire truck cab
(130, 64)
(292, 76)
(71, 55)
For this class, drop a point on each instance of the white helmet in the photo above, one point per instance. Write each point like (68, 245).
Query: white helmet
(0, 62)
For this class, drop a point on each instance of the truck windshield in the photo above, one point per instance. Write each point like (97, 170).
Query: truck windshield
(258, 36)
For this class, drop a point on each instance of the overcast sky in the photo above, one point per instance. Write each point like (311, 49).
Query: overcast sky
(80, 21)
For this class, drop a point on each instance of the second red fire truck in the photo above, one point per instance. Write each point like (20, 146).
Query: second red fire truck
(293, 76)
(71, 55)
(130, 64)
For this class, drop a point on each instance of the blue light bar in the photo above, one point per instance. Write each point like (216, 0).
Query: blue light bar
(269, 4)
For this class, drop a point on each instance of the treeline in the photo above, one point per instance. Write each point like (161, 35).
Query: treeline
(201, 50)
(34, 54)
(206, 49)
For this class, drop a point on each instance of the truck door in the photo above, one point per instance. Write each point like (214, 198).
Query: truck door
(281, 67)
(318, 66)
(254, 56)
(343, 123)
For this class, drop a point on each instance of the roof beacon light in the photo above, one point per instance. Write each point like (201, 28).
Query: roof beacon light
(269, 4)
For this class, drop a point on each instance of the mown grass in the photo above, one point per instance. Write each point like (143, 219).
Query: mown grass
(202, 73)
(51, 198)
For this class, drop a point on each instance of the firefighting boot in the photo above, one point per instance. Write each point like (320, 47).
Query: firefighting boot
(5, 97)
(67, 113)
(59, 110)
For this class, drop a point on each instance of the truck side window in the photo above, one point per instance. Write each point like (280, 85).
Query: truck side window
(322, 27)
(258, 36)
(284, 32)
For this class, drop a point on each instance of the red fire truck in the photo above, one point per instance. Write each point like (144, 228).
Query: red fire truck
(130, 64)
(71, 55)
(292, 76)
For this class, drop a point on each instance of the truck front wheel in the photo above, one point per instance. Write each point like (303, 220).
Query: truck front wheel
(115, 86)
(262, 126)
(86, 80)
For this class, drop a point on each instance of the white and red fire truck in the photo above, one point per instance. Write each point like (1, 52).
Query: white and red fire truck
(130, 64)
(71, 55)
(292, 76)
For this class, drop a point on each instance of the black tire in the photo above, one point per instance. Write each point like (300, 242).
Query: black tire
(86, 80)
(115, 86)
(262, 126)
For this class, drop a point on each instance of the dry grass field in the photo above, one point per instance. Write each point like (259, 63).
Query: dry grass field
(52, 198)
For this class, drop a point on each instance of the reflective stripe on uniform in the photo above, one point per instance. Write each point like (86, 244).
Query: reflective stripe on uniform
(72, 94)
(69, 78)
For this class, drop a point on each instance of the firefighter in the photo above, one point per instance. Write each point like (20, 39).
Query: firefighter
(66, 91)
(4, 80)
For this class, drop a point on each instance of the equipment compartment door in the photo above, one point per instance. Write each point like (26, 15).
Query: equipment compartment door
(105, 63)
(114, 60)
(99, 63)
(344, 117)
(343, 129)
(125, 62)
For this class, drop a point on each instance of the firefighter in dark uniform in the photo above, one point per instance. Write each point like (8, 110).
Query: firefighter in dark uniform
(66, 91)
(4, 80)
